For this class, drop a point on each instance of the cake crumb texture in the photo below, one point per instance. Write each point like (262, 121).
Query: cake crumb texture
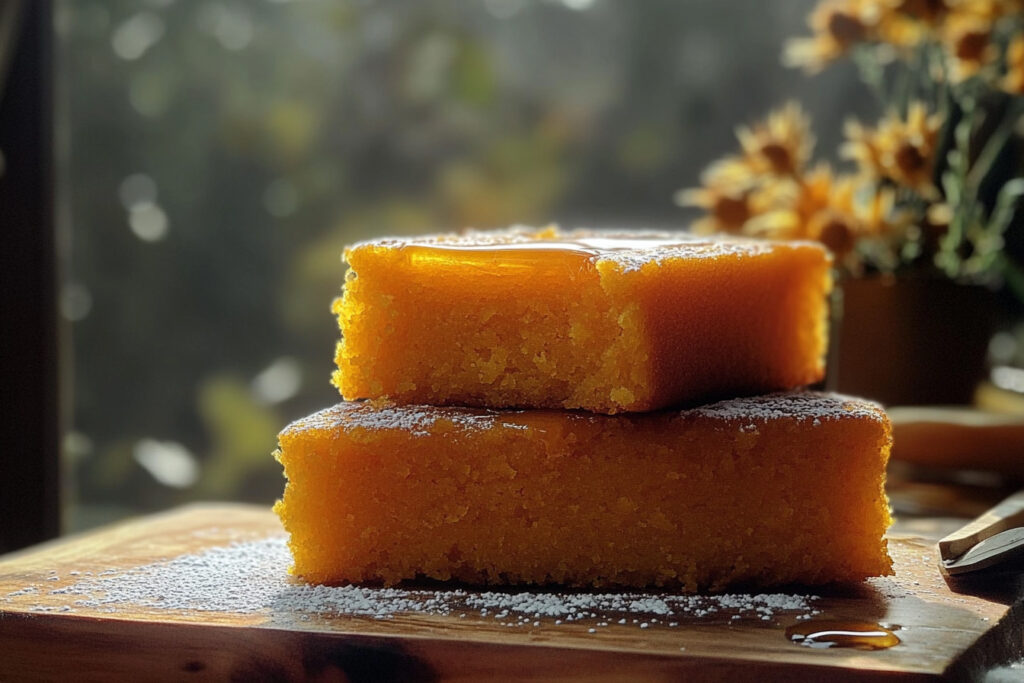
(605, 322)
(771, 490)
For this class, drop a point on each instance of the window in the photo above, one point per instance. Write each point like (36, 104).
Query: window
(217, 155)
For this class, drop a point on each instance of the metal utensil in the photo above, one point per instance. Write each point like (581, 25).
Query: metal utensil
(993, 538)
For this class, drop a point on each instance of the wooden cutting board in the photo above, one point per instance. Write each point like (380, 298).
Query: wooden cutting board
(50, 629)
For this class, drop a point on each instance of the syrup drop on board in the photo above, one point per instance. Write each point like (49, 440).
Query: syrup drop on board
(824, 633)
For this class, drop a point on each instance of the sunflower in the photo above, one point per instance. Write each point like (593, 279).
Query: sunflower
(928, 12)
(836, 224)
(967, 39)
(862, 148)
(907, 23)
(736, 188)
(909, 147)
(993, 10)
(837, 210)
(1013, 81)
(781, 144)
(726, 195)
(901, 150)
(836, 26)
(820, 208)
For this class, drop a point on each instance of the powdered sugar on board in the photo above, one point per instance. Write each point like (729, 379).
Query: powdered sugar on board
(251, 577)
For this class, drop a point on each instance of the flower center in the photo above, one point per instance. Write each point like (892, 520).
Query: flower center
(971, 46)
(779, 157)
(846, 29)
(731, 210)
(929, 11)
(836, 235)
(909, 159)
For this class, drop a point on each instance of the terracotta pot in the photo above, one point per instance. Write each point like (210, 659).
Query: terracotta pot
(911, 341)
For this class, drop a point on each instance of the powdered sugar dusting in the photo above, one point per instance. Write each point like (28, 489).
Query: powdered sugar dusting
(630, 260)
(803, 406)
(251, 577)
(414, 419)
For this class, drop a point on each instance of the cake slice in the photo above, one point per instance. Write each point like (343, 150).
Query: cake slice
(767, 490)
(597, 321)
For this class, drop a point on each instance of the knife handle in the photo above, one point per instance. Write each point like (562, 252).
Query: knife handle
(1007, 515)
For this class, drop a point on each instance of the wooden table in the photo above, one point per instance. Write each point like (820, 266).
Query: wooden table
(47, 633)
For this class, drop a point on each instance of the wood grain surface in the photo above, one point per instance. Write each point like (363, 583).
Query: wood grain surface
(956, 630)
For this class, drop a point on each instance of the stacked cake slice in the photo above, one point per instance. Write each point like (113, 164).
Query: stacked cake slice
(534, 408)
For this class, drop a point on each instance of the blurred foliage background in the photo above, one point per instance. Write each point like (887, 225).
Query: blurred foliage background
(217, 156)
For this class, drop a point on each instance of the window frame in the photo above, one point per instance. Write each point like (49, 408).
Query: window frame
(31, 410)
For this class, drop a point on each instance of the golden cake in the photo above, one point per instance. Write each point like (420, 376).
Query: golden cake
(589, 320)
(777, 489)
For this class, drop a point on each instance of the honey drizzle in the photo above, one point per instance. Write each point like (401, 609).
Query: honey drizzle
(536, 253)
(860, 635)
(591, 246)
